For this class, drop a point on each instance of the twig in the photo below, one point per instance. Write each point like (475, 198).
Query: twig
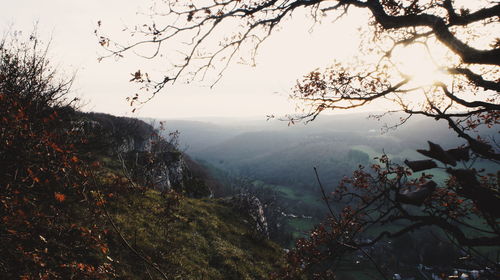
(379, 269)
(126, 172)
(325, 198)
(128, 244)
(125, 242)
(149, 273)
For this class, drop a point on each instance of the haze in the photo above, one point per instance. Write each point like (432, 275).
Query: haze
(243, 92)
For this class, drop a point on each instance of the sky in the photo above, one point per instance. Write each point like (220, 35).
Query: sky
(244, 91)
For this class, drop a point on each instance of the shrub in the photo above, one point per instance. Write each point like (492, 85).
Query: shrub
(43, 205)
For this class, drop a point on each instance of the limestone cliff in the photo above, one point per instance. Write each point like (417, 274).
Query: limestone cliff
(145, 156)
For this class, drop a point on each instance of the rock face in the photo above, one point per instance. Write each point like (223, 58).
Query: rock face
(251, 204)
(155, 162)
(146, 156)
(161, 170)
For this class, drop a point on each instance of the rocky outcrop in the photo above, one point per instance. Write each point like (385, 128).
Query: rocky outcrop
(251, 205)
(114, 135)
(162, 171)
(147, 157)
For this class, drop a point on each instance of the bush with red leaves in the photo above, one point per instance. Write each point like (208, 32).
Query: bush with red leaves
(44, 210)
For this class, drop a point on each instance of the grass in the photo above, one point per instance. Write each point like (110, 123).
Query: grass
(201, 239)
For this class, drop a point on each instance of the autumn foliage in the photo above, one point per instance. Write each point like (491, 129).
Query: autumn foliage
(43, 235)
(390, 201)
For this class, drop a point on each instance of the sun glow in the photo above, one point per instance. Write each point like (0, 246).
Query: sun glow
(416, 62)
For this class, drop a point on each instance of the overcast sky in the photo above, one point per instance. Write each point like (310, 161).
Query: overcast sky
(244, 91)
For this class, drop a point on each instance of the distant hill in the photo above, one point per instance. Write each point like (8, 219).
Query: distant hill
(198, 135)
(277, 153)
(276, 161)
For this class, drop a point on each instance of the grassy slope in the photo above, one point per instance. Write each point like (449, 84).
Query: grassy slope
(200, 239)
(187, 238)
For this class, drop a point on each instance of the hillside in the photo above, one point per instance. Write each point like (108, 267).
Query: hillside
(183, 232)
(206, 239)
(135, 208)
